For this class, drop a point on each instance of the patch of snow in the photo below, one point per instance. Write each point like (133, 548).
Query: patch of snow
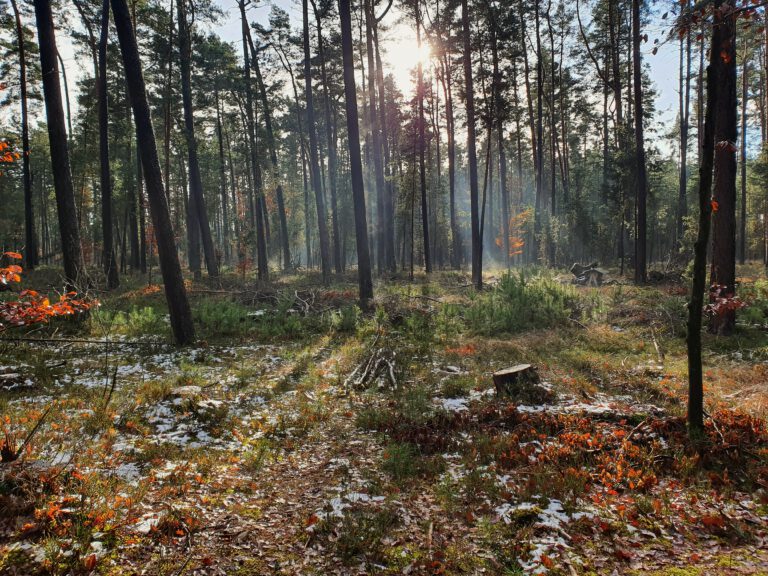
(146, 523)
(129, 472)
(552, 518)
(453, 404)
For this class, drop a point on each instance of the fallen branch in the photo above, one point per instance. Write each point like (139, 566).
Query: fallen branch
(659, 354)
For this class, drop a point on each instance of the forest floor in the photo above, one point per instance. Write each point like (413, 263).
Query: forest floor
(301, 436)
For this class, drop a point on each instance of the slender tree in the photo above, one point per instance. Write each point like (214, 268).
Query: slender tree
(276, 176)
(422, 146)
(30, 238)
(743, 153)
(250, 121)
(696, 305)
(477, 241)
(175, 292)
(314, 165)
(356, 166)
(641, 176)
(74, 266)
(685, 100)
(110, 264)
(196, 198)
(338, 259)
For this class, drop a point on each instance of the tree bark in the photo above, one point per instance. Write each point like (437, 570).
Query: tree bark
(110, 264)
(477, 241)
(696, 305)
(641, 177)
(743, 155)
(314, 166)
(389, 198)
(685, 99)
(378, 164)
(74, 267)
(175, 292)
(338, 259)
(422, 145)
(196, 198)
(256, 210)
(225, 218)
(724, 220)
(499, 116)
(267, 113)
(356, 166)
(539, 164)
(30, 238)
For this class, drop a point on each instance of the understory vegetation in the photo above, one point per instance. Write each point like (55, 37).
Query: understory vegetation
(302, 435)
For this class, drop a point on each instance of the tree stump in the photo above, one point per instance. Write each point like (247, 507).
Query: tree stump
(521, 383)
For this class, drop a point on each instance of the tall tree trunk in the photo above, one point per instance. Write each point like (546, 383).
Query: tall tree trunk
(66, 93)
(685, 99)
(532, 126)
(133, 188)
(553, 145)
(303, 145)
(389, 198)
(724, 220)
(700, 98)
(338, 259)
(110, 264)
(499, 117)
(196, 198)
(477, 241)
(142, 216)
(256, 185)
(539, 164)
(356, 166)
(743, 158)
(445, 78)
(74, 268)
(378, 164)
(422, 144)
(175, 292)
(695, 308)
(314, 166)
(641, 177)
(30, 238)
(267, 113)
(167, 106)
(225, 218)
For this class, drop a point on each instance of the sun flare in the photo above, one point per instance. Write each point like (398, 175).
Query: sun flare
(403, 56)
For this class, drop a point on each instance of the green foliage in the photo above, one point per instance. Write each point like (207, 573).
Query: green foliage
(136, 322)
(498, 539)
(457, 387)
(221, 318)
(403, 461)
(521, 302)
(756, 296)
(345, 319)
(362, 532)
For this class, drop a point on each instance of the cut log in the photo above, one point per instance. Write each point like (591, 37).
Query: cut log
(521, 383)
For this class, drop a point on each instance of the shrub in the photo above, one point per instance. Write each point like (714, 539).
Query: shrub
(362, 533)
(521, 303)
(137, 322)
(403, 461)
(221, 317)
(345, 319)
